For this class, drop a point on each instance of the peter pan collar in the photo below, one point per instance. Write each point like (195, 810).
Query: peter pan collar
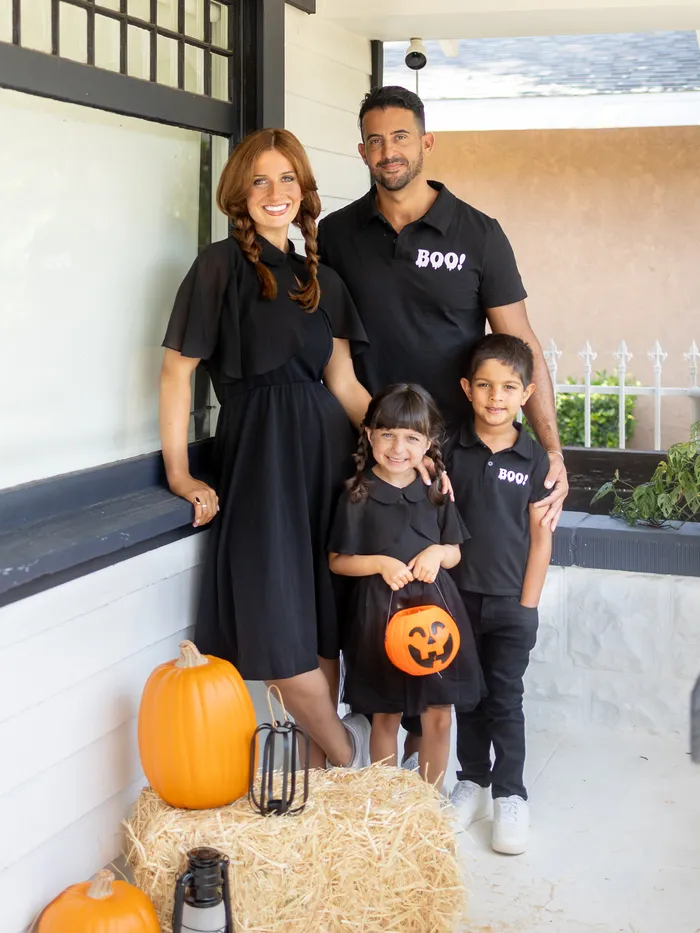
(387, 494)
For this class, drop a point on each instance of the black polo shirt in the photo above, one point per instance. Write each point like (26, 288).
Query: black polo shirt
(493, 493)
(422, 294)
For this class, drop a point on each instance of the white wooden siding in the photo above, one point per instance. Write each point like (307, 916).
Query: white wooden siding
(73, 661)
(327, 74)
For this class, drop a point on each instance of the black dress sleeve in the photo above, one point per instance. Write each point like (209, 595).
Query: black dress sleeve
(452, 528)
(195, 320)
(500, 279)
(539, 474)
(341, 311)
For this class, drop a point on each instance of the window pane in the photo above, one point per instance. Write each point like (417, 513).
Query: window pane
(167, 14)
(109, 4)
(194, 70)
(219, 25)
(89, 274)
(219, 77)
(36, 25)
(194, 18)
(139, 55)
(167, 61)
(107, 33)
(5, 20)
(72, 31)
(140, 8)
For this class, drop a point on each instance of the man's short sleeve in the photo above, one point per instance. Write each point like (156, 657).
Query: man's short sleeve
(500, 279)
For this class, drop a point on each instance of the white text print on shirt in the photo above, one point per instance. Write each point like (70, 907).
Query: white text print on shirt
(437, 259)
(510, 476)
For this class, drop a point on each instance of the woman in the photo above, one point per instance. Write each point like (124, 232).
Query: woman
(270, 325)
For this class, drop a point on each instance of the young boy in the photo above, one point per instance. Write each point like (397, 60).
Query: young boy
(498, 472)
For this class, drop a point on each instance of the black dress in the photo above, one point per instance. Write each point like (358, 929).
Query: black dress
(282, 452)
(400, 523)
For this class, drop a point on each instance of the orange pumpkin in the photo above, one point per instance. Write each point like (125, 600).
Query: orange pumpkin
(196, 723)
(422, 640)
(101, 906)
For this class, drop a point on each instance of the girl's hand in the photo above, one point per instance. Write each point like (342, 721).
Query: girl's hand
(394, 572)
(427, 474)
(202, 497)
(426, 565)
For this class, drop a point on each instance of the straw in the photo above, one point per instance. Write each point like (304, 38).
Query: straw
(373, 852)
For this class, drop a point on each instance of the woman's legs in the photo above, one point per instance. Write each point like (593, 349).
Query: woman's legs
(309, 699)
(331, 671)
(436, 723)
(384, 737)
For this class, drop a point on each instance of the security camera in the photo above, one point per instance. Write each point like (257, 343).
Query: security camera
(416, 56)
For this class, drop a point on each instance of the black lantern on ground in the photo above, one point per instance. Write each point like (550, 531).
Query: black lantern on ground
(277, 789)
(202, 894)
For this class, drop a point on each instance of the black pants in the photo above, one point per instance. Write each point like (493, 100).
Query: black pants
(505, 634)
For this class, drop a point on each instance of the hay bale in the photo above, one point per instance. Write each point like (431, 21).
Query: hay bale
(373, 851)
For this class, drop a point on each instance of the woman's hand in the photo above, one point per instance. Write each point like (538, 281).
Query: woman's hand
(426, 565)
(394, 572)
(427, 474)
(202, 497)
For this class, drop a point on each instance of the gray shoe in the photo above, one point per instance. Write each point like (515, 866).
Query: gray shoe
(411, 763)
(358, 728)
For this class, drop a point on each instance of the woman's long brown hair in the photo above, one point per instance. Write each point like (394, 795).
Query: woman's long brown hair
(232, 195)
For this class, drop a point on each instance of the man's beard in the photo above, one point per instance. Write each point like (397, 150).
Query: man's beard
(398, 181)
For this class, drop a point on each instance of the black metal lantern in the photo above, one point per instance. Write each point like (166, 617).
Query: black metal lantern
(202, 894)
(277, 789)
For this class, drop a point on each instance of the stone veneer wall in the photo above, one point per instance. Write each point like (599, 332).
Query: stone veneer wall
(615, 648)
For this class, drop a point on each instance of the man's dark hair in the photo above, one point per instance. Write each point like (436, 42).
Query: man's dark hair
(509, 350)
(380, 98)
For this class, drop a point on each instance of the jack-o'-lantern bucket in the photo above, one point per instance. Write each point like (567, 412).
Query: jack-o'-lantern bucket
(422, 640)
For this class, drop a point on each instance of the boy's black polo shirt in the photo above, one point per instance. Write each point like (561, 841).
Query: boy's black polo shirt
(493, 493)
(422, 294)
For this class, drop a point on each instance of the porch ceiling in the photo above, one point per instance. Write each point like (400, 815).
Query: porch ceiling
(463, 19)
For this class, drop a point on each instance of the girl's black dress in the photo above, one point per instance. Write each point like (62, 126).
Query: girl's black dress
(282, 452)
(400, 523)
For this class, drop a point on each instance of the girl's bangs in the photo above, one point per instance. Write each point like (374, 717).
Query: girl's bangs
(404, 411)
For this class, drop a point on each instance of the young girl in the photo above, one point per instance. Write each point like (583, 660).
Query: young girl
(399, 537)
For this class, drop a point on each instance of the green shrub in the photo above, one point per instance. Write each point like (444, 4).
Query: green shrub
(604, 414)
(671, 495)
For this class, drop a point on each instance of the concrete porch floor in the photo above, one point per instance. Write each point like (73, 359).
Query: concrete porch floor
(615, 841)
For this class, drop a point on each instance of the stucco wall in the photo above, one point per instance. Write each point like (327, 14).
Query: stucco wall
(616, 649)
(605, 227)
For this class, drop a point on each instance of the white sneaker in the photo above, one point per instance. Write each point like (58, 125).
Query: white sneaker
(471, 802)
(359, 729)
(410, 763)
(511, 825)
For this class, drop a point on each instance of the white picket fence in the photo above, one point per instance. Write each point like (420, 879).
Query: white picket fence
(622, 356)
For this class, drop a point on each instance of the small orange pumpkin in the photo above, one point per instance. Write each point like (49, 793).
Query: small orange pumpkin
(101, 906)
(196, 723)
(422, 640)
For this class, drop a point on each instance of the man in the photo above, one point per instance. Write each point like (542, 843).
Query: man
(426, 272)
